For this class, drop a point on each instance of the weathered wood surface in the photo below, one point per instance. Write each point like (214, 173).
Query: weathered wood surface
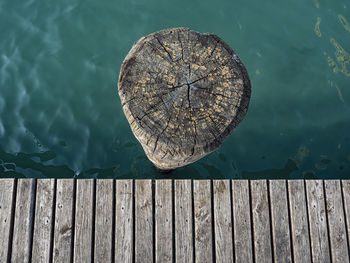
(336, 222)
(163, 221)
(43, 221)
(148, 225)
(242, 229)
(317, 215)
(346, 198)
(183, 93)
(203, 221)
(124, 221)
(83, 221)
(299, 221)
(144, 238)
(280, 221)
(22, 231)
(183, 221)
(261, 221)
(6, 202)
(103, 221)
(223, 221)
(62, 250)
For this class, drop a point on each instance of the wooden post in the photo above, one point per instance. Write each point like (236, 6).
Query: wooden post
(183, 93)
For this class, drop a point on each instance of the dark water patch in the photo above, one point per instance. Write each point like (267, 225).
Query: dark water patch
(62, 143)
(222, 157)
(309, 174)
(98, 173)
(10, 166)
(326, 161)
(181, 173)
(213, 172)
(129, 144)
(25, 161)
(281, 173)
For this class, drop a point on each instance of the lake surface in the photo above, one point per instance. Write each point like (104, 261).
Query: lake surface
(60, 115)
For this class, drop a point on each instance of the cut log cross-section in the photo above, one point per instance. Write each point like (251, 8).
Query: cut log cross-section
(183, 93)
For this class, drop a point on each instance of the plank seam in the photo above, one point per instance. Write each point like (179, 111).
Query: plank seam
(93, 222)
(153, 220)
(173, 219)
(113, 221)
(32, 218)
(53, 216)
(326, 210)
(307, 220)
(133, 256)
(212, 220)
(73, 220)
(12, 223)
(270, 217)
(232, 232)
(193, 224)
(290, 222)
(251, 218)
(345, 215)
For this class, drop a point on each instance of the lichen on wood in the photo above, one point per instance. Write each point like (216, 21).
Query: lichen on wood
(183, 93)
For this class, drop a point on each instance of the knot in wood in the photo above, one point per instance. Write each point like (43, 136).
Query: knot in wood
(183, 93)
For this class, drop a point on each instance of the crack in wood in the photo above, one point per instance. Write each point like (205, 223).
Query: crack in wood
(185, 91)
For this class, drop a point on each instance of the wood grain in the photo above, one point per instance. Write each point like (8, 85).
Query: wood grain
(336, 222)
(242, 221)
(83, 221)
(346, 199)
(183, 221)
(22, 225)
(43, 220)
(144, 238)
(203, 221)
(222, 221)
(163, 221)
(299, 221)
(183, 93)
(261, 221)
(318, 221)
(6, 194)
(280, 221)
(124, 221)
(63, 221)
(103, 221)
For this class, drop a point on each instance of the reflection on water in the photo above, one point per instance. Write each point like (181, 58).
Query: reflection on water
(60, 115)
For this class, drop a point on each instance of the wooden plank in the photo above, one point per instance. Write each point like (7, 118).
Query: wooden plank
(22, 225)
(83, 221)
(336, 221)
(143, 221)
(242, 221)
(43, 220)
(183, 221)
(103, 220)
(280, 221)
(299, 221)
(261, 221)
(6, 194)
(318, 221)
(222, 221)
(124, 221)
(346, 198)
(163, 220)
(63, 221)
(202, 221)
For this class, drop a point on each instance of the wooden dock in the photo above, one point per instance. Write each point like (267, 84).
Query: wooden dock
(63, 220)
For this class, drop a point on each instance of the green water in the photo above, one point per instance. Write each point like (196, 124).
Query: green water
(60, 115)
